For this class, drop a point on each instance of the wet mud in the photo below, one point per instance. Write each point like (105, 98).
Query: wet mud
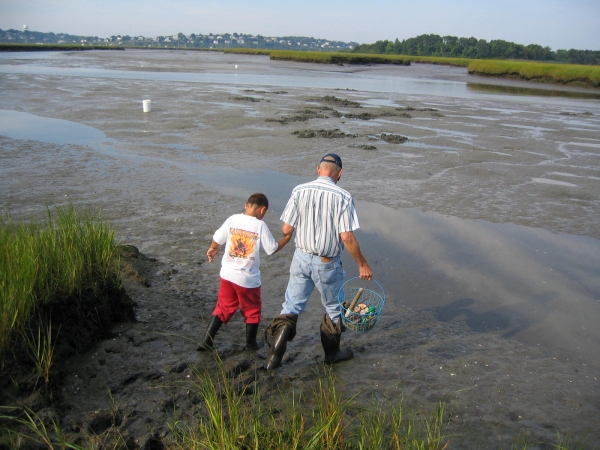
(497, 159)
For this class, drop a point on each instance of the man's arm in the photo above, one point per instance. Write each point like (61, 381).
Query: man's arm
(353, 248)
(287, 229)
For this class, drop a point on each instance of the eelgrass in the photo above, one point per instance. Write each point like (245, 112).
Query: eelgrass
(237, 418)
(558, 73)
(71, 256)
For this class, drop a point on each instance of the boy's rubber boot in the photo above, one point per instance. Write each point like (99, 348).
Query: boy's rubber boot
(331, 336)
(251, 331)
(208, 342)
(282, 329)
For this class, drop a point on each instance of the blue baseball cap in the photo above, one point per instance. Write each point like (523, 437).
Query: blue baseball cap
(332, 158)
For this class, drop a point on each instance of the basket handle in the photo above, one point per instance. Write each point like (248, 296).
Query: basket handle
(377, 282)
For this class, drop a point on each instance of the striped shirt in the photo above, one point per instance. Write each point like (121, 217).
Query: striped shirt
(319, 211)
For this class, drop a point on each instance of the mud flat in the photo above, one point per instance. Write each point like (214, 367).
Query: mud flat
(167, 179)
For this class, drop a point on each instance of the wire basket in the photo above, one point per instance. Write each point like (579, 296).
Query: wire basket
(367, 308)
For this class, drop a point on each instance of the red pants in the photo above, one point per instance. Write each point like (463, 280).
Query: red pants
(232, 296)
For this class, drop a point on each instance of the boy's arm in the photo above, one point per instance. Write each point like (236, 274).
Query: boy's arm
(284, 240)
(212, 251)
(287, 231)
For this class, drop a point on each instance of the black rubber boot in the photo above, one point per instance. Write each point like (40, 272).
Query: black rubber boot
(251, 331)
(331, 336)
(208, 342)
(283, 329)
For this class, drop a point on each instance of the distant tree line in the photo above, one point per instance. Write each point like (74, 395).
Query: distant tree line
(179, 40)
(455, 47)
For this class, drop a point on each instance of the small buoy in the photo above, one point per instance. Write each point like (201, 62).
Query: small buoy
(236, 66)
(147, 105)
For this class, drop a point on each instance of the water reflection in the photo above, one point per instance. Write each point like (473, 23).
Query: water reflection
(519, 282)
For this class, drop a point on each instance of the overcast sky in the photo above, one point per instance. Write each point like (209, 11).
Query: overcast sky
(558, 24)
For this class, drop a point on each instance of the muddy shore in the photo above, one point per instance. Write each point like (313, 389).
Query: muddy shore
(497, 159)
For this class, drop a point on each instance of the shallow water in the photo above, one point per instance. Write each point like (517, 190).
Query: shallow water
(385, 79)
(518, 282)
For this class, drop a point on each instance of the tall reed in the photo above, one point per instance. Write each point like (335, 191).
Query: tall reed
(71, 253)
(323, 419)
(558, 73)
(247, 51)
(337, 57)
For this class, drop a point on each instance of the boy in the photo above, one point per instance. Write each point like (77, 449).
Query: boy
(240, 274)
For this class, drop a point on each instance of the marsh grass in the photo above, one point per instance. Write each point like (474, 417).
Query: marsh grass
(528, 70)
(337, 57)
(237, 418)
(72, 256)
(558, 73)
(44, 431)
(247, 51)
(40, 344)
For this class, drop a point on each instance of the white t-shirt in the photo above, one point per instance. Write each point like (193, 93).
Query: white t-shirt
(243, 235)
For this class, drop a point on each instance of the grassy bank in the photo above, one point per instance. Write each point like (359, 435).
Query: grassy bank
(247, 51)
(556, 73)
(348, 58)
(232, 415)
(4, 47)
(320, 418)
(337, 57)
(55, 275)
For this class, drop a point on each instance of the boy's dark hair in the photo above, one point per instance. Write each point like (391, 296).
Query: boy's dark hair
(258, 199)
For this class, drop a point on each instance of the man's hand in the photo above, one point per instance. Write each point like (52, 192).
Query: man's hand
(365, 272)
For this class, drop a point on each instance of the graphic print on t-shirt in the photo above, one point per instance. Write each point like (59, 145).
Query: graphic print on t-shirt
(242, 243)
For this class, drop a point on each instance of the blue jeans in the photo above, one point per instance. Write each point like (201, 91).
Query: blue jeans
(307, 272)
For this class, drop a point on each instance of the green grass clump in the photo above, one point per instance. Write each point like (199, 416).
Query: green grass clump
(457, 62)
(558, 73)
(363, 58)
(237, 418)
(247, 51)
(337, 57)
(71, 256)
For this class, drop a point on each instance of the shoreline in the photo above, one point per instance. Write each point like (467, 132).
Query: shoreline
(475, 161)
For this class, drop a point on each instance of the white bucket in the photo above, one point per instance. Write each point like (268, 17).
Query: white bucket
(147, 105)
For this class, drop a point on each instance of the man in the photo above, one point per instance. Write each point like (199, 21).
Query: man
(324, 218)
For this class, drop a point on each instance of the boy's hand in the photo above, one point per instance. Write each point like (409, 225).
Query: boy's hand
(211, 253)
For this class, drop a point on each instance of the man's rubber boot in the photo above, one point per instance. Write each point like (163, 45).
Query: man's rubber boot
(331, 336)
(282, 329)
(251, 331)
(208, 342)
